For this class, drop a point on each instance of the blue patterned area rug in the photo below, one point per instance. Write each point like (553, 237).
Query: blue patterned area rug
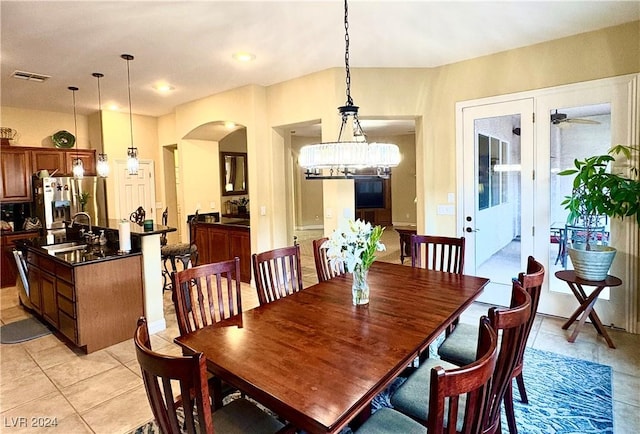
(566, 396)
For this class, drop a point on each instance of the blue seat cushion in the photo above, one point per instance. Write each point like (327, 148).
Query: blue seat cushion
(461, 345)
(412, 397)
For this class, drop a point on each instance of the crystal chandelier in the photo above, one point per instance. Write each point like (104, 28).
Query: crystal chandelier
(132, 152)
(77, 166)
(343, 157)
(102, 166)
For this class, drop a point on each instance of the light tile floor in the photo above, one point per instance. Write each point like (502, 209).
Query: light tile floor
(103, 393)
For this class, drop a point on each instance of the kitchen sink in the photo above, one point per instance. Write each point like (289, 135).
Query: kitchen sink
(64, 247)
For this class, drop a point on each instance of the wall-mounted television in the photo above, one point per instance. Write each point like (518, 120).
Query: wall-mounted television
(369, 193)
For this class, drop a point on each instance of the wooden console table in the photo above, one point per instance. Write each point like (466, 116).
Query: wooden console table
(405, 233)
(586, 302)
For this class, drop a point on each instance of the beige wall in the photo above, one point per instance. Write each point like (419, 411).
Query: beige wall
(308, 194)
(117, 138)
(35, 127)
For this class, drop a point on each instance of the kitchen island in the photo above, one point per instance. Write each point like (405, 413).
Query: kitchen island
(83, 293)
(93, 295)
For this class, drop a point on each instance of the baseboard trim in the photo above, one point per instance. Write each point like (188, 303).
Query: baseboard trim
(309, 227)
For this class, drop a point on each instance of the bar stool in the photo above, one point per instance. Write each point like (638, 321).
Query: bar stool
(170, 254)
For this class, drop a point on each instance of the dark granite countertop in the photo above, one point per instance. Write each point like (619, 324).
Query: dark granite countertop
(83, 256)
(136, 230)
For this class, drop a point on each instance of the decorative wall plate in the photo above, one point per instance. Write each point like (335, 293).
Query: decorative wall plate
(63, 139)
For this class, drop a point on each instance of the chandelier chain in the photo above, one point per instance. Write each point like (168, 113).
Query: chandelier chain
(346, 54)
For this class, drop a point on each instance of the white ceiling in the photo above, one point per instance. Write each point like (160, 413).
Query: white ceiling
(189, 44)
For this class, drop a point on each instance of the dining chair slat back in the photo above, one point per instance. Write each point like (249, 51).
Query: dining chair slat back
(511, 326)
(454, 399)
(532, 282)
(158, 372)
(438, 253)
(472, 381)
(324, 270)
(207, 294)
(172, 382)
(277, 273)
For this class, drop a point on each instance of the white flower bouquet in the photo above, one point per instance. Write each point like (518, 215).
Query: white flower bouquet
(354, 245)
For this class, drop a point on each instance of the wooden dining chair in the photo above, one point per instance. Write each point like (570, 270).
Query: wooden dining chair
(532, 282)
(441, 254)
(451, 396)
(167, 377)
(438, 253)
(277, 273)
(205, 295)
(458, 347)
(324, 269)
(411, 397)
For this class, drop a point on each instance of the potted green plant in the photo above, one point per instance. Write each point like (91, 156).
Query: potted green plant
(598, 192)
(83, 198)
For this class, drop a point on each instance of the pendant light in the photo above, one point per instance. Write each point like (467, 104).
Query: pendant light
(77, 167)
(132, 152)
(343, 157)
(102, 165)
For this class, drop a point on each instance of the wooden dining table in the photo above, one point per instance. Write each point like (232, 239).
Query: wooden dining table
(317, 360)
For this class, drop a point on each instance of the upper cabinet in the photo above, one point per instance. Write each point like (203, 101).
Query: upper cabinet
(88, 158)
(18, 164)
(233, 172)
(62, 160)
(47, 159)
(15, 180)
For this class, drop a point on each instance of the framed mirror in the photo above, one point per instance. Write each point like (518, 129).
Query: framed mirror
(233, 172)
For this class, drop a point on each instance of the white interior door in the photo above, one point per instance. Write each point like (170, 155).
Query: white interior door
(498, 193)
(135, 190)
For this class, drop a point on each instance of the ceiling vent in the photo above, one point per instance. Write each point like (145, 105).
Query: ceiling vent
(31, 76)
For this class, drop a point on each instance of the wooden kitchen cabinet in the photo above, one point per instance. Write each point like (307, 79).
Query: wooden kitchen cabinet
(88, 158)
(61, 160)
(15, 179)
(219, 242)
(47, 159)
(95, 305)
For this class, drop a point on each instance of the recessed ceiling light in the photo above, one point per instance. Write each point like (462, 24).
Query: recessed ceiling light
(113, 107)
(163, 87)
(229, 125)
(243, 56)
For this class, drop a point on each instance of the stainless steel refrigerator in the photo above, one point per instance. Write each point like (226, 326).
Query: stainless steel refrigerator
(58, 198)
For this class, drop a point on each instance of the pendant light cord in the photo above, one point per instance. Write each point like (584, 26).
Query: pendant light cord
(98, 75)
(129, 57)
(75, 120)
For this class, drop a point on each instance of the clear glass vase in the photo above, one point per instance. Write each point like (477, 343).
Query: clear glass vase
(360, 286)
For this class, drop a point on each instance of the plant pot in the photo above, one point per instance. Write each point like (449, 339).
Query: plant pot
(591, 264)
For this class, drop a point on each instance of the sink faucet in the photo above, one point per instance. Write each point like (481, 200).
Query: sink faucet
(73, 219)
